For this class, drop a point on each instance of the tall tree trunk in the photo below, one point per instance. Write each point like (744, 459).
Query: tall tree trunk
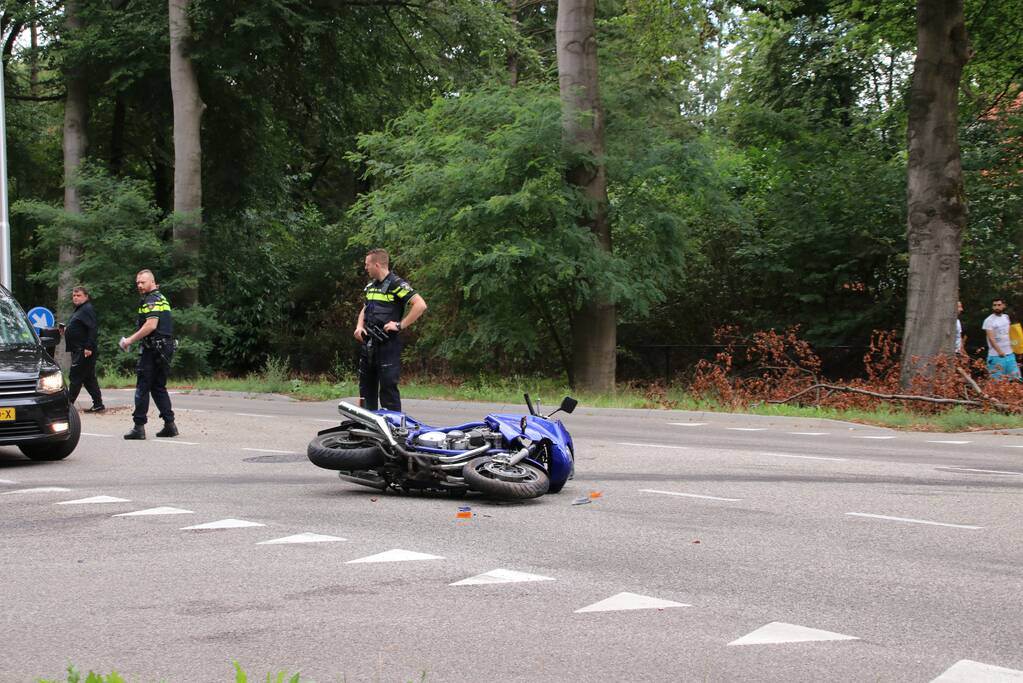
(188, 110)
(936, 201)
(76, 113)
(582, 121)
(512, 58)
(117, 135)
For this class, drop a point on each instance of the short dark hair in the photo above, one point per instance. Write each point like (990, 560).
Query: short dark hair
(80, 288)
(997, 299)
(379, 256)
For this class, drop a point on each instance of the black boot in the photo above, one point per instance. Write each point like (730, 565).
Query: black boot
(95, 408)
(137, 433)
(169, 429)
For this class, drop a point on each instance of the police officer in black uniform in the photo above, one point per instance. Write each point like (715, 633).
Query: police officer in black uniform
(381, 322)
(155, 331)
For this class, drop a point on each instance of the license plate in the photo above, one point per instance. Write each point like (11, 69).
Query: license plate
(7, 414)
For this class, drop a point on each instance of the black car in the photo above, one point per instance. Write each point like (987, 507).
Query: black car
(35, 412)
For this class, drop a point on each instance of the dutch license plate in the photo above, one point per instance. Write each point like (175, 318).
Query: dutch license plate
(7, 414)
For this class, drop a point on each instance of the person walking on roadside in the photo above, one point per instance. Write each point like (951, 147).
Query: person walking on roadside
(381, 321)
(1001, 361)
(959, 328)
(156, 332)
(80, 341)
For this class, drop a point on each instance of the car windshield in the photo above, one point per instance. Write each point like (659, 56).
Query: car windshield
(14, 329)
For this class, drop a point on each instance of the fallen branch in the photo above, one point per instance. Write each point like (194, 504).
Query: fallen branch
(892, 397)
(976, 388)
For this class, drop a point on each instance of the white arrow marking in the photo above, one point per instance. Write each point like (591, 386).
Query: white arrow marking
(779, 632)
(396, 555)
(912, 521)
(968, 671)
(94, 499)
(223, 524)
(38, 489)
(156, 511)
(500, 576)
(624, 601)
(307, 537)
(40, 320)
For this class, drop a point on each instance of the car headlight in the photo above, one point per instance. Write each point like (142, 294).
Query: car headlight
(51, 383)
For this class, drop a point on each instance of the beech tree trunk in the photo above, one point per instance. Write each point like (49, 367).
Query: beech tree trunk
(582, 117)
(188, 110)
(76, 114)
(936, 200)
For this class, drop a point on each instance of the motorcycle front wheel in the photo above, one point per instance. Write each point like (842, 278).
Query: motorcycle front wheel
(509, 482)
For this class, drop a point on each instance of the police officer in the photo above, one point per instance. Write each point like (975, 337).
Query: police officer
(80, 340)
(381, 321)
(155, 331)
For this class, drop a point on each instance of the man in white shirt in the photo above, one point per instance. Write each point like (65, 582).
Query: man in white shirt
(1001, 361)
(959, 327)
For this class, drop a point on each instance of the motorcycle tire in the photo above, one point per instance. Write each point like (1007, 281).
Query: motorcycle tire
(508, 482)
(339, 450)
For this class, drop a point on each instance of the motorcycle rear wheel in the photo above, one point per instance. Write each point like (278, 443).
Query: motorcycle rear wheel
(509, 482)
(339, 450)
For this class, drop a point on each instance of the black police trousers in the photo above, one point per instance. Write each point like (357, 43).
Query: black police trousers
(151, 378)
(83, 373)
(379, 372)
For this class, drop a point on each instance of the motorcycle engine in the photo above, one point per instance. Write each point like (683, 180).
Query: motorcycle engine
(457, 440)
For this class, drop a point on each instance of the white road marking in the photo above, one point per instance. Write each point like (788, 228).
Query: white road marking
(873, 437)
(7, 481)
(320, 419)
(953, 442)
(624, 601)
(747, 429)
(1016, 446)
(256, 415)
(968, 671)
(94, 499)
(973, 469)
(688, 424)
(650, 445)
(193, 410)
(223, 524)
(808, 433)
(37, 489)
(307, 537)
(166, 510)
(269, 450)
(913, 521)
(689, 495)
(180, 443)
(801, 457)
(396, 555)
(500, 576)
(94, 434)
(779, 632)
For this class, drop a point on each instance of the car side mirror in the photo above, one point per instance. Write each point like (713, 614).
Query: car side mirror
(49, 336)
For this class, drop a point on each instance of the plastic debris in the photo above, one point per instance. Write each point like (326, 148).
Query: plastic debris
(464, 513)
(373, 500)
(595, 494)
(582, 501)
(696, 541)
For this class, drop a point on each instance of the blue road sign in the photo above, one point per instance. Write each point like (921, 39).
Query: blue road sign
(40, 317)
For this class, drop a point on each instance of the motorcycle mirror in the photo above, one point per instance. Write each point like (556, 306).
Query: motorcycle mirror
(568, 404)
(529, 404)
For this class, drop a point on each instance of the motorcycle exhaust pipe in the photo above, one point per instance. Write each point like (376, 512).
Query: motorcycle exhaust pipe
(371, 420)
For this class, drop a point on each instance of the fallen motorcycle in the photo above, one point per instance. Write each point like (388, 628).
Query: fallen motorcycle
(510, 457)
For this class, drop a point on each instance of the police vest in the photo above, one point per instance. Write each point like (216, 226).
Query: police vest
(155, 305)
(386, 299)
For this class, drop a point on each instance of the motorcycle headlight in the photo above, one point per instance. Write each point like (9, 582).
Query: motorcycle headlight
(51, 383)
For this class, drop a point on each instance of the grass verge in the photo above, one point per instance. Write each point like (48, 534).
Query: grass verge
(510, 390)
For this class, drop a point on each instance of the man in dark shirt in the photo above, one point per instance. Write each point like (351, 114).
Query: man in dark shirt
(155, 331)
(381, 321)
(80, 341)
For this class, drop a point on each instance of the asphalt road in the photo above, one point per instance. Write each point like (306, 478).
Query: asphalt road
(714, 548)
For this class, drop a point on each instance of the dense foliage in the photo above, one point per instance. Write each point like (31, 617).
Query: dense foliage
(756, 171)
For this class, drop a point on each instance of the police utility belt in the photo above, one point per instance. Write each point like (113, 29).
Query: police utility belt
(165, 345)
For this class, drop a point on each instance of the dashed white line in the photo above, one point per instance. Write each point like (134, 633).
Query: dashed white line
(808, 433)
(747, 429)
(269, 450)
(873, 437)
(952, 442)
(973, 469)
(175, 441)
(801, 457)
(107, 436)
(319, 419)
(651, 445)
(688, 424)
(689, 495)
(256, 415)
(913, 521)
